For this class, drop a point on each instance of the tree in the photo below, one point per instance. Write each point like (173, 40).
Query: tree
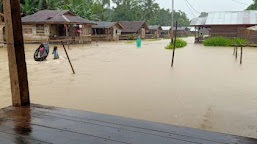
(253, 6)
(150, 9)
(203, 14)
(100, 10)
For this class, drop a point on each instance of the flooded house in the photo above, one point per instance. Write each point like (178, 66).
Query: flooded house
(199, 28)
(165, 32)
(106, 31)
(133, 29)
(55, 26)
(182, 31)
(154, 31)
(231, 24)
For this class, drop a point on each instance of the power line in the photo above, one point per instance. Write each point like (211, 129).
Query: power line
(240, 2)
(192, 7)
(189, 8)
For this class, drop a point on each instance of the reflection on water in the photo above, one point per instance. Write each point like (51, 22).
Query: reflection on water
(207, 89)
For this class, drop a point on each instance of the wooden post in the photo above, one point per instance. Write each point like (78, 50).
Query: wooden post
(241, 56)
(67, 35)
(68, 58)
(236, 51)
(16, 54)
(172, 21)
(174, 45)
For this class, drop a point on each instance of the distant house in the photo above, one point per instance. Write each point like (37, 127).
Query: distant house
(231, 24)
(154, 31)
(107, 31)
(182, 31)
(56, 26)
(166, 31)
(133, 28)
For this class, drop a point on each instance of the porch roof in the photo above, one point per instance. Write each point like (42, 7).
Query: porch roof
(55, 17)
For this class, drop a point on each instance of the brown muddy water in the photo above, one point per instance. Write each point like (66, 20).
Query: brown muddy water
(206, 89)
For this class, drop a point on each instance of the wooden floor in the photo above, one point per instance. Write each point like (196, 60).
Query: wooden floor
(47, 125)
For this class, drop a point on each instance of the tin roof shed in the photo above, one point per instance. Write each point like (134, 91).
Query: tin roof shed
(232, 18)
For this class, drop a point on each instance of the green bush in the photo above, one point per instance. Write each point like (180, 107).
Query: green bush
(131, 37)
(222, 41)
(179, 44)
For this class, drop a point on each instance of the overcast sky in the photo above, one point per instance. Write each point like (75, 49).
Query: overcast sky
(206, 5)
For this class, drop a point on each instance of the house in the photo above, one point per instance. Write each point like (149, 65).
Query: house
(231, 24)
(182, 31)
(154, 31)
(133, 29)
(107, 31)
(200, 28)
(166, 31)
(56, 26)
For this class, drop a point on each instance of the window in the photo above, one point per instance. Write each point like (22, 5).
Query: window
(27, 30)
(40, 29)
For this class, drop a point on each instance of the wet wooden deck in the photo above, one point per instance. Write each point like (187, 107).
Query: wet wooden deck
(49, 125)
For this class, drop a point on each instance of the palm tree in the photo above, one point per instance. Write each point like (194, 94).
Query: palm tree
(150, 8)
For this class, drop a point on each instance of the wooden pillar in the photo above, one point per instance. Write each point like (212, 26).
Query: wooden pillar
(16, 54)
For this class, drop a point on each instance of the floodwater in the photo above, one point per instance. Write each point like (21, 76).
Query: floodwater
(206, 89)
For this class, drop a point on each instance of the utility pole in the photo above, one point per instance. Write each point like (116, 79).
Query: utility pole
(172, 21)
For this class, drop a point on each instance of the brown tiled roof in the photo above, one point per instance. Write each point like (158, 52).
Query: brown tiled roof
(132, 26)
(54, 17)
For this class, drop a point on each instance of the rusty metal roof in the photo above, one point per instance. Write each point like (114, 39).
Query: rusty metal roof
(54, 17)
(232, 18)
(198, 21)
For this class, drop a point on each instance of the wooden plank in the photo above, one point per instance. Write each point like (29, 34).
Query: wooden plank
(100, 126)
(16, 54)
(50, 135)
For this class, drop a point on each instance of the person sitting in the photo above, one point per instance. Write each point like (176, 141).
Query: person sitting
(55, 53)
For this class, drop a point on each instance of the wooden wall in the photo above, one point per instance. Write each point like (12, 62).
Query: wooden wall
(30, 34)
(232, 32)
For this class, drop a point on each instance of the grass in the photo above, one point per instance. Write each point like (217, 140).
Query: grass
(222, 41)
(167, 38)
(130, 41)
(179, 44)
(154, 39)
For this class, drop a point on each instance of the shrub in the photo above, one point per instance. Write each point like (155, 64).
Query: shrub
(222, 41)
(179, 44)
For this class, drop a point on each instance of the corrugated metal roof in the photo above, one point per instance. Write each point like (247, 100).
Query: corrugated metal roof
(54, 17)
(166, 28)
(198, 21)
(155, 27)
(232, 18)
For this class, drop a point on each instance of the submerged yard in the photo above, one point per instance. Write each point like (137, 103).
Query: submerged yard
(206, 89)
